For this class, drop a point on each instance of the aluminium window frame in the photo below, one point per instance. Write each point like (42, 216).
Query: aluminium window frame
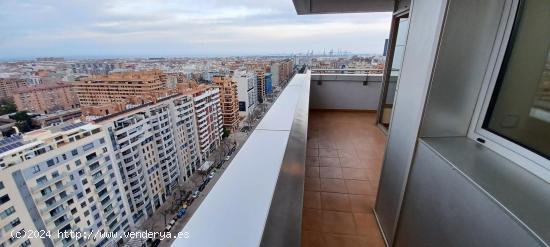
(522, 156)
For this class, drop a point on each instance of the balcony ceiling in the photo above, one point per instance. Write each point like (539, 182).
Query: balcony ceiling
(304, 7)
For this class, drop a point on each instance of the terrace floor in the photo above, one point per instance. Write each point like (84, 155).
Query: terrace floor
(345, 152)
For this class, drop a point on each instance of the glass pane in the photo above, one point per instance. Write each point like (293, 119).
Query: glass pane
(397, 60)
(520, 107)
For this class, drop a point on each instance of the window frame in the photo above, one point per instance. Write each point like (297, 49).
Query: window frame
(522, 156)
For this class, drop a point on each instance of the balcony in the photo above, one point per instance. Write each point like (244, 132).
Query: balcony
(315, 171)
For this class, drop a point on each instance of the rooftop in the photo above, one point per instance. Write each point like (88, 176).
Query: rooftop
(42, 87)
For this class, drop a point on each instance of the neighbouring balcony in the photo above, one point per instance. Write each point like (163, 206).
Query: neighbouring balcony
(307, 175)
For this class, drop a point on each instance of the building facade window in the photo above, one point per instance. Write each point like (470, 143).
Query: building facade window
(4, 199)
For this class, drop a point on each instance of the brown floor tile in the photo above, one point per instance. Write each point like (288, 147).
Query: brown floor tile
(338, 222)
(372, 164)
(374, 175)
(312, 184)
(330, 172)
(312, 199)
(329, 161)
(312, 239)
(312, 171)
(361, 203)
(345, 144)
(312, 152)
(359, 187)
(328, 152)
(312, 162)
(366, 226)
(312, 144)
(337, 240)
(345, 150)
(333, 185)
(325, 144)
(355, 173)
(350, 153)
(352, 162)
(372, 152)
(335, 202)
(312, 219)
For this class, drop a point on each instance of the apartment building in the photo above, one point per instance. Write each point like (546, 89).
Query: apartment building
(59, 179)
(96, 92)
(246, 91)
(9, 85)
(260, 86)
(45, 98)
(281, 71)
(229, 101)
(101, 68)
(268, 83)
(156, 148)
(275, 77)
(209, 117)
(286, 70)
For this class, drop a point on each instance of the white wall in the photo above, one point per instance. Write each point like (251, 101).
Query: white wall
(345, 92)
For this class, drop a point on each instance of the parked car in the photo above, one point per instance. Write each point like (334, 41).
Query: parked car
(201, 188)
(227, 158)
(195, 194)
(156, 242)
(211, 175)
(181, 212)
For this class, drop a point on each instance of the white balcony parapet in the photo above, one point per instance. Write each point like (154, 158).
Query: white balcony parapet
(235, 212)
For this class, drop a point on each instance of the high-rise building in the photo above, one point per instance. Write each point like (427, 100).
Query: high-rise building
(275, 77)
(229, 101)
(100, 95)
(260, 81)
(268, 83)
(281, 71)
(58, 179)
(246, 91)
(155, 147)
(286, 70)
(9, 85)
(209, 117)
(45, 98)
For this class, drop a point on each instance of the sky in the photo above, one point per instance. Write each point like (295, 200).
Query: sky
(176, 28)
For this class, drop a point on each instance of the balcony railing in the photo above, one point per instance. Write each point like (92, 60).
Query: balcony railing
(347, 71)
(362, 91)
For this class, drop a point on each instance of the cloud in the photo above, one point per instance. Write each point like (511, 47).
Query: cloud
(179, 27)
